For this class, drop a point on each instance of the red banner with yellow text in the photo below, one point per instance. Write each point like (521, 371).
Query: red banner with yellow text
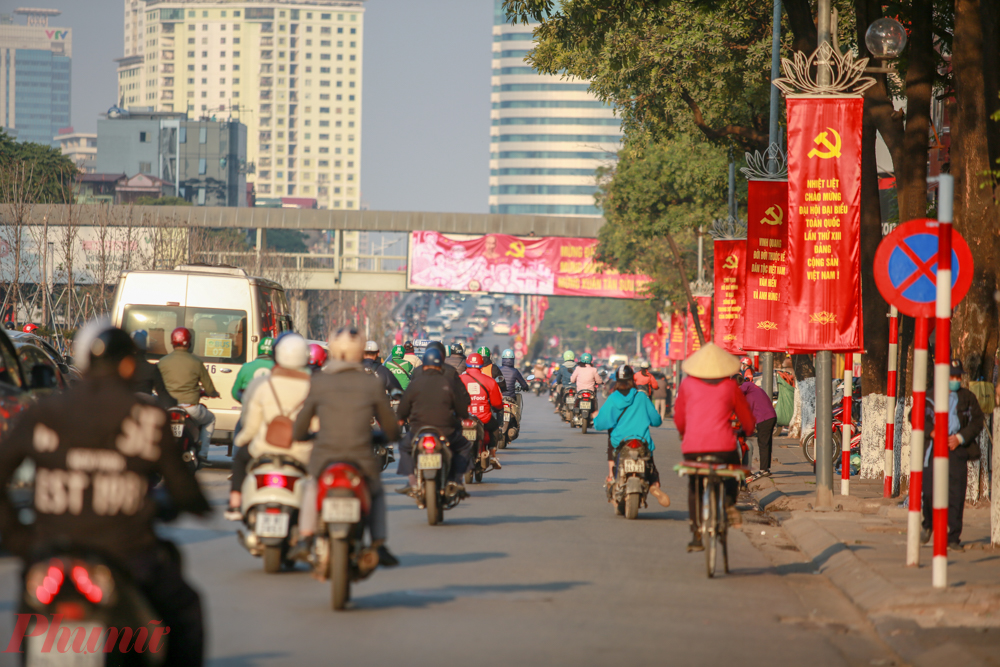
(765, 319)
(515, 265)
(730, 294)
(824, 222)
(676, 340)
(704, 304)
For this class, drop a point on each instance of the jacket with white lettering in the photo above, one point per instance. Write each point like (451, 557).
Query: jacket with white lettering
(484, 392)
(96, 447)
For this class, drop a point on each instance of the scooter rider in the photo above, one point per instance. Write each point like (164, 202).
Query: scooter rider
(456, 357)
(586, 377)
(398, 356)
(398, 369)
(514, 379)
(317, 357)
(185, 377)
(410, 356)
(98, 440)
(490, 369)
(147, 379)
(432, 400)
(345, 398)
(262, 365)
(644, 380)
(281, 392)
(371, 365)
(563, 377)
(486, 401)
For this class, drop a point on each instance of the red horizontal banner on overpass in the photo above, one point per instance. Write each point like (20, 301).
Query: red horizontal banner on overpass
(515, 265)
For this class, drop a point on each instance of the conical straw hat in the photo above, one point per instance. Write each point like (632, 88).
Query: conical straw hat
(711, 362)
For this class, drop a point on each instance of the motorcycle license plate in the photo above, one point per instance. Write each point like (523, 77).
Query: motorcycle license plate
(628, 465)
(506, 416)
(469, 434)
(54, 658)
(177, 429)
(271, 525)
(341, 510)
(429, 461)
(584, 405)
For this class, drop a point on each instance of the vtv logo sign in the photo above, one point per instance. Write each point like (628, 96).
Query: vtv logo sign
(57, 34)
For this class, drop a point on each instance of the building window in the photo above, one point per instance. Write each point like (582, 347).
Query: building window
(202, 166)
(203, 135)
(201, 196)
(145, 168)
(183, 136)
(143, 137)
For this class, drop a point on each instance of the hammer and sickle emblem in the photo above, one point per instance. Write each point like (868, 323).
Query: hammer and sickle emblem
(832, 150)
(516, 249)
(731, 262)
(773, 216)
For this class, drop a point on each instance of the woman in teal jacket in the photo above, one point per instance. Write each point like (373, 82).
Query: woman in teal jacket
(628, 414)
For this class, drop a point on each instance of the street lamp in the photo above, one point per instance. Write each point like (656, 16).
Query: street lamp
(885, 39)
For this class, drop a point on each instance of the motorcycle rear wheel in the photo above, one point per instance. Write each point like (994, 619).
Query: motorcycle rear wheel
(632, 506)
(431, 499)
(583, 427)
(468, 477)
(272, 559)
(479, 475)
(340, 581)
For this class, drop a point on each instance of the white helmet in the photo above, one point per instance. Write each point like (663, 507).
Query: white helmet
(371, 346)
(346, 345)
(292, 352)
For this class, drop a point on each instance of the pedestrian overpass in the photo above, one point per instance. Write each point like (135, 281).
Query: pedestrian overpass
(332, 270)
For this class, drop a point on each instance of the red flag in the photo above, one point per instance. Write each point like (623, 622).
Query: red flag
(677, 336)
(730, 294)
(824, 222)
(765, 319)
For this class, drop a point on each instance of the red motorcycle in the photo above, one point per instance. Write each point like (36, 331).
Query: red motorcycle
(584, 409)
(343, 503)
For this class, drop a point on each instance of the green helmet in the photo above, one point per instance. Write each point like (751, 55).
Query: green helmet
(484, 352)
(398, 352)
(586, 358)
(507, 354)
(265, 347)
(568, 355)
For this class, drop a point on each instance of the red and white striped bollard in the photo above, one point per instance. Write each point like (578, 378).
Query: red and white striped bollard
(915, 519)
(890, 401)
(846, 419)
(942, 364)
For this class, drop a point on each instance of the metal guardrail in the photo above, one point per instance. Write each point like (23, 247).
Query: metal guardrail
(303, 261)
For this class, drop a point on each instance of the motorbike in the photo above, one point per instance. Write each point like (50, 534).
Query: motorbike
(475, 432)
(343, 503)
(569, 405)
(271, 499)
(584, 409)
(536, 386)
(187, 434)
(631, 484)
(88, 597)
(510, 426)
(433, 459)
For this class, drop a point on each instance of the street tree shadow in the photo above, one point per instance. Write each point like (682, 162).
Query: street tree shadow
(419, 560)
(422, 598)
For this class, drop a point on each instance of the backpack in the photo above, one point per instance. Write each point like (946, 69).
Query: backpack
(279, 429)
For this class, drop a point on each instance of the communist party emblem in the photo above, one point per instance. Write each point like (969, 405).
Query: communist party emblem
(773, 216)
(732, 262)
(516, 249)
(822, 139)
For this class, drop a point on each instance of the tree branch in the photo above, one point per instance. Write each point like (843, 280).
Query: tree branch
(749, 135)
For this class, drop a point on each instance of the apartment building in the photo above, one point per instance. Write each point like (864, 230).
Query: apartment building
(548, 134)
(289, 71)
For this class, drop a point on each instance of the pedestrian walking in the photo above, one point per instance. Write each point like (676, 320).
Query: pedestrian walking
(660, 396)
(764, 415)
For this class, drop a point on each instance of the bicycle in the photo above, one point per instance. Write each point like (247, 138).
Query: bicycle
(710, 510)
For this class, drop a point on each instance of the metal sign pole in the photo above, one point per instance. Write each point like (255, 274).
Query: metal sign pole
(942, 363)
(920, 336)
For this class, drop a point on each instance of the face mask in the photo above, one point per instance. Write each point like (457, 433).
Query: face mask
(954, 385)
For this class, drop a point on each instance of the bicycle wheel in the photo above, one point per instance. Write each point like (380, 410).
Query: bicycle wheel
(710, 516)
(723, 527)
(809, 447)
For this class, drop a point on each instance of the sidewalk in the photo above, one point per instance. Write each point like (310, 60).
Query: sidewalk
(861, 547)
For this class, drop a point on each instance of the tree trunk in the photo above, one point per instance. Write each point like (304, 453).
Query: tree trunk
(911, 175)
(975, 318)
(990, 14)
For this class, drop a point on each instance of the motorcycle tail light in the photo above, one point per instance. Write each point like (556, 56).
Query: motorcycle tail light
(429, 443)
(84, 584)
(634, 444)
(274, 480)
(176, 418)
(46, 582)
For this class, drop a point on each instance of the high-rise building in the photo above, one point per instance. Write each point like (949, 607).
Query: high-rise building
(290, 71)
(548, 134)
(35, 76)
(80, 147)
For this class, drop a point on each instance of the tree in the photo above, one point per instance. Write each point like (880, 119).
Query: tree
(45, 175)
(286, 240)
(162, 201)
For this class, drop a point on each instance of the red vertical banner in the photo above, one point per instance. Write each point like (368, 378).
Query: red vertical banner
(730, 294)
(676, 340)
(765, 321)
(704, 304)
(824, 222)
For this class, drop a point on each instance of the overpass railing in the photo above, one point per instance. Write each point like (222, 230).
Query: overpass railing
(303, 261)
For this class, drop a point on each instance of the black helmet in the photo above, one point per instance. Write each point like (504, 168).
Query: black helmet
(456, 348)
(107, 350)
(626, 373)
(408, 347)
(433, 357)
(437, 345)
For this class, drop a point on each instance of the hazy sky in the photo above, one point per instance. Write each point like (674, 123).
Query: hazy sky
(425, 101)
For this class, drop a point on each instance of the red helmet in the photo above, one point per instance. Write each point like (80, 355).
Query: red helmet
(745, 361)
(474, 360)
(29, 328)
(317, 355)
(180, 337)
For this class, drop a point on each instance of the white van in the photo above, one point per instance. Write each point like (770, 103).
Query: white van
(227, 311)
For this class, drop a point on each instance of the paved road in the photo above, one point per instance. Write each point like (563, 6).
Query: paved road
(533, 569)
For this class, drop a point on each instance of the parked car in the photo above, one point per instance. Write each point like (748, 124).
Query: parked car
(41, 369)
(19, 379)
(70, 373)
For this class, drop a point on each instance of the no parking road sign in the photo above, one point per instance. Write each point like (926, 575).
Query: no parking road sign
(906, 267)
